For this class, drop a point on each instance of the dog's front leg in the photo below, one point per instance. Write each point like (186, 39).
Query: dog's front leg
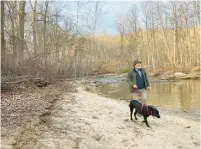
(131, 112)
(135, 115)
(145, 120)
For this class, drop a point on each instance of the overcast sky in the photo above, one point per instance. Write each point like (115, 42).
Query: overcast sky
(107, 21)
(111, 9)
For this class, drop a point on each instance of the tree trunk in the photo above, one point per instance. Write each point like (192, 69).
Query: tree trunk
(3, 51)
(175, 33)
(13, 37)
(45, 52)
(75, 45)
(34, 26)
(122, 50)
(21, 14)
(56, 38)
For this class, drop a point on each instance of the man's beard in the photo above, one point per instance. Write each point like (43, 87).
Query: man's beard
(139, 67)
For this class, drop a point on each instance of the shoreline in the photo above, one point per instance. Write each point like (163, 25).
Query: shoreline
(185, 73)
(92, 86)
(175, 111)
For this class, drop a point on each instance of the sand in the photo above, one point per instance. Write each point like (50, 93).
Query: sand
(84, 120)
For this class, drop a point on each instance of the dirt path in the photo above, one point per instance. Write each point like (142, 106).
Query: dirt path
(87, 121)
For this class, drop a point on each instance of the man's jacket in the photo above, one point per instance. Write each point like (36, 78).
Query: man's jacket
(131, 79)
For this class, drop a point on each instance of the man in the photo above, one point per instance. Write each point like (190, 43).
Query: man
(138, 82)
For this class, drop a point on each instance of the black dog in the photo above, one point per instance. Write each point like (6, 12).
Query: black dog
(145, 110)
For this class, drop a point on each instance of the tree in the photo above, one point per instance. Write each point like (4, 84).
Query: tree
(162, 21)
(94, 14)
(133, 36)
(12, 15)
(133, 19)
(75, 42)
(20, 32)
(3, 50)
(121, 28)
(34, 12)
(45, 51)
(146, 19)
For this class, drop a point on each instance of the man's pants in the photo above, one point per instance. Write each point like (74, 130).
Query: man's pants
(141, 96)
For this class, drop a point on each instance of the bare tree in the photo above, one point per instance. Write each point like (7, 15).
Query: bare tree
(133, 36)
(175, 20)
(133, 19)
(121, 28)
(45, 51)
(12, 15)
(166, 36)
(162, 22)
(146, 19)
(93, 17)
(34, 12)
(75, 41)
(3, 51)
(20, 32)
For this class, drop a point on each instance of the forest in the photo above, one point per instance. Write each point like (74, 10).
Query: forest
(38, 39)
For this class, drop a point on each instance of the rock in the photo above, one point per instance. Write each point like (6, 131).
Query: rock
(179, 74)
(156, 73)
(170, 72)
(98, 84)
(167, 75)
(167, 78)
(191, 76)
(123, 75)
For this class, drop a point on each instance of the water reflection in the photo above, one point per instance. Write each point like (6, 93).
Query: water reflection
(184, 94)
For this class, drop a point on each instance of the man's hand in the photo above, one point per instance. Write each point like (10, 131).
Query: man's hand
(148, 88)
(135, 86)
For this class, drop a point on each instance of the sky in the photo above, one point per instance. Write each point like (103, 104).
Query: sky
(107, 21)
(111, 10)
(115, 9)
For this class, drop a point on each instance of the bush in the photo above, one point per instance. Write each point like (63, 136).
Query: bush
(195, 69)
(125, 70)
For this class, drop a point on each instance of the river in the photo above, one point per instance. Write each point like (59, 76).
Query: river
(183, 95)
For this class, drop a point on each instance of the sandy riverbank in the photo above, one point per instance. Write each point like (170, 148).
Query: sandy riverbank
(85, 120)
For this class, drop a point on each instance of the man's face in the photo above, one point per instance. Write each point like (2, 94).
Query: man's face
(138, 65)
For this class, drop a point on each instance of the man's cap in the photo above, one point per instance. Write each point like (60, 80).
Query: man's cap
(136, 62)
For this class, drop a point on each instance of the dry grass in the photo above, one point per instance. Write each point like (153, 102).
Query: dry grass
(195, 69)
